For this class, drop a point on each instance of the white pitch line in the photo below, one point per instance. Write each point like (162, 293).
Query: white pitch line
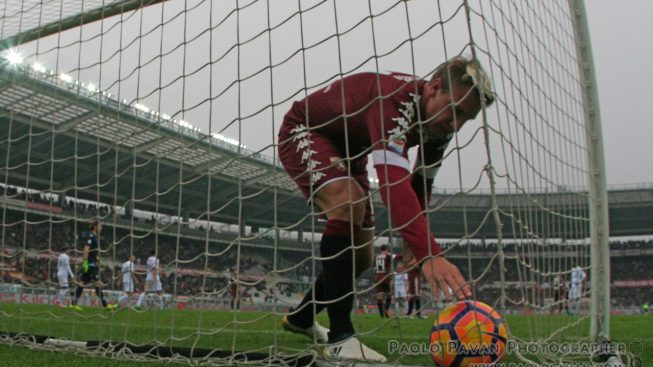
(228, 329)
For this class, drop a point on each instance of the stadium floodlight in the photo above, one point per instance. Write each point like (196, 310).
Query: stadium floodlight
(228, 140)
(187, 125)
(36, 66)
(142, 107)
(66, 78)
(13, 57)
(183, 123)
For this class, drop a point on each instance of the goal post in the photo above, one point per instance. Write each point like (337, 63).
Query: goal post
(598, 193)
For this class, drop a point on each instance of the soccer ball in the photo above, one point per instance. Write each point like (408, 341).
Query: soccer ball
(468, 332)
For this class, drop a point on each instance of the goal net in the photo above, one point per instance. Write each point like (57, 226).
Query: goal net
(159, 119)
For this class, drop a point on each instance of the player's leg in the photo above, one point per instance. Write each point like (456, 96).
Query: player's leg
(127, 289)
(161, 304)
(63, 288)
(63, 291)
(141, 298)
(418, 305)
(343, 203)
(388, 302)
(380, 295)
(411, 304)
(94, 270)
(84, 279)
(579, 295)
(572, 299)
(313, 162)
(418, 295)
(159, 292)
(124, 299)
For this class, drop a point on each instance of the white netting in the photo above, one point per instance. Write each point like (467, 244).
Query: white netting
(162, 123)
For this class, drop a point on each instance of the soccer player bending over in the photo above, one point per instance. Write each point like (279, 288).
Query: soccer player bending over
(128, 280)
(324, 142)
(90, 269)
(64, 272)
(152, 281)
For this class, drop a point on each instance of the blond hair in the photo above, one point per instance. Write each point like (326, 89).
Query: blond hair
(462, 71)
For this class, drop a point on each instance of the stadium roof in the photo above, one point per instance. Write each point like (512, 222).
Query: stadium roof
(60, 136)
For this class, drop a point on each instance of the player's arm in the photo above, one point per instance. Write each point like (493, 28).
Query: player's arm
(402, 202)
(390, 154)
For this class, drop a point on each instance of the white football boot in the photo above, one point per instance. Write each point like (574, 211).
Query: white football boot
(317, 330)
(352, 348)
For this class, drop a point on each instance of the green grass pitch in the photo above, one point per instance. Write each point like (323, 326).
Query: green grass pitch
(256, 330)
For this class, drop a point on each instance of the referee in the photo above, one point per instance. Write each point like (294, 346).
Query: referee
(90, 269)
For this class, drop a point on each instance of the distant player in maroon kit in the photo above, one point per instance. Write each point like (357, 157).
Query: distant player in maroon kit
(559, 293)
(235, 291)
(324, 142)
(415, 292)
(383, 280)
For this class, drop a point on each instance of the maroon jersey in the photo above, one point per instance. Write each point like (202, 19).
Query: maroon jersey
(234, 287)
(368, 110)
(383, 263)
(329, 134)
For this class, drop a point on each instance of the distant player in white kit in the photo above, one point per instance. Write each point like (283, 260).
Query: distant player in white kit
(400, 279)
(64, 272)
(152, 280)
(128, 280)
(576, 288)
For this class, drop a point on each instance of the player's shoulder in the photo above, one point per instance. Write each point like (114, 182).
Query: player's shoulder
(388, 80)
(399, 76)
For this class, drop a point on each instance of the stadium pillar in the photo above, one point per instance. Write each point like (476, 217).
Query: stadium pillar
(598, 196)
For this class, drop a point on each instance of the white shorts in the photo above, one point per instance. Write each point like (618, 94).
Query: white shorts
(575, 291)
(400, 293)
(153, 285)
(63, 280)
(127, 287)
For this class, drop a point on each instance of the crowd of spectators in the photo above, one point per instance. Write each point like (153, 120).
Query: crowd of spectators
(31, 244)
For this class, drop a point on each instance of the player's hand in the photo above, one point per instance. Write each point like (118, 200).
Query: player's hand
(84, 266)
(444, 276)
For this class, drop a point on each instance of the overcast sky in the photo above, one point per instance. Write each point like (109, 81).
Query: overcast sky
(537, 130)
(622, 39)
